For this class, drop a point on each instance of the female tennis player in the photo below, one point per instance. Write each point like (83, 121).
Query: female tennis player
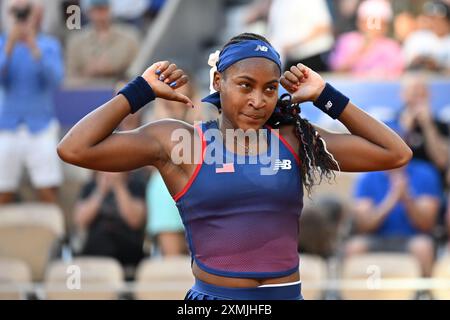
(241, 225)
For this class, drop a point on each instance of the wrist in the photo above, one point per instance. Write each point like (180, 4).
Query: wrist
(318, 92)
(331, 101)
(138, 93)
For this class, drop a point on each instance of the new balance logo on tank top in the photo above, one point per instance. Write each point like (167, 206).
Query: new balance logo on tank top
(239, 222)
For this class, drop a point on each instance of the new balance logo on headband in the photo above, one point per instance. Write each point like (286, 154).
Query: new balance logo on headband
(261, 48)
(283, 165)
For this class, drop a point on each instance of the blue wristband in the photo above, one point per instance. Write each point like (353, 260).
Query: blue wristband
(331, 101)
(138, 93)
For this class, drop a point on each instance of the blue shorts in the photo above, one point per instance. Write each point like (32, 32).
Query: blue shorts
(205, 291)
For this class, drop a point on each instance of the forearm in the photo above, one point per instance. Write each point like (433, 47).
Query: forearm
(435, 146)
(391, 147)
(87, 210)
(131, 209)
(370, 220)
(420, 218)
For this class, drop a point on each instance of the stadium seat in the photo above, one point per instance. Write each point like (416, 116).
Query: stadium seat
(368, 271)
(15, 277)
(164, 279)
(29, 232)
(313, 272)
(441, 272)
(84, 278)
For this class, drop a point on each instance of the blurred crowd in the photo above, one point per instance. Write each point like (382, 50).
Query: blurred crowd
(380, 39)
(118, 215)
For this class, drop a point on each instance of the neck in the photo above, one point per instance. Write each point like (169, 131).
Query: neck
(250, 146)
(225, 124)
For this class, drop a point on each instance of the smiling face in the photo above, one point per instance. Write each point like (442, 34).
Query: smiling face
(248, 92)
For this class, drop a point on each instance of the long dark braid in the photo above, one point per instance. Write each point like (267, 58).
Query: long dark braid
(316, 162)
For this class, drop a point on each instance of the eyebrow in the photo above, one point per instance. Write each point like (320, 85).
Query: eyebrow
(253, 80)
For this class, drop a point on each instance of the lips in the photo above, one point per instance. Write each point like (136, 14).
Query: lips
(253, 116)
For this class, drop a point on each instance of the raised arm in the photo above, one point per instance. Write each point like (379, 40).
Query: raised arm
(370, 146)
(93, 144)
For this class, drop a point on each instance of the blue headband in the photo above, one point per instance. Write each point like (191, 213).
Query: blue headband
(240, 51)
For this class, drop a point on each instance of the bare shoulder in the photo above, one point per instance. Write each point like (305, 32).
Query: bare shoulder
(166, 126)
(165, 131)
(169, 133)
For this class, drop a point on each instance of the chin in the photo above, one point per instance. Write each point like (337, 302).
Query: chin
(246, 123)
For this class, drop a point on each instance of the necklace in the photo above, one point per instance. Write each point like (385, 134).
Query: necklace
(247, 149)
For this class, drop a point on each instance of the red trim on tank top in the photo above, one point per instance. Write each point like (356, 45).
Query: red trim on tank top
(280, 137)
(178, 196)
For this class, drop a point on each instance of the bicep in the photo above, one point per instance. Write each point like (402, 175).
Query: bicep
(353, 153)
(128, 150)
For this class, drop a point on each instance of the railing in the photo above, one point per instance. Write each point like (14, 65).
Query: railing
(131, 288)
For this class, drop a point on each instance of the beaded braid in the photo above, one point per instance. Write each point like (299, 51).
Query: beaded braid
(316, 162)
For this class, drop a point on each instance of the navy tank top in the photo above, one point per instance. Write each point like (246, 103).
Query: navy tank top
(239, 222)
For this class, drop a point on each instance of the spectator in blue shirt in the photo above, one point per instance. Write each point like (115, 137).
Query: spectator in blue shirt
(31, 69)
(396, 210)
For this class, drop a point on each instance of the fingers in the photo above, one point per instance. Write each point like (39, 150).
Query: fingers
(178, 83)
(183, 99)
(171, 75)
(166, 71)
(299, 73)
(154, 68)
(161, 67)
(161, 70)
(163, 75)
(292, 79)
(174, 77)
(288, 85)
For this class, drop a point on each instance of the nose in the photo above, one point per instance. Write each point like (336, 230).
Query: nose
(257, 100)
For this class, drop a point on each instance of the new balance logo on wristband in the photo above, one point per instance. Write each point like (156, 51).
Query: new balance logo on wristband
(261, 48)
(283, 165)
(331, 101)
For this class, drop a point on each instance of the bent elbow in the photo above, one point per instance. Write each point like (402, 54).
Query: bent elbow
(406, 156)
(402, 158)
(66, 154)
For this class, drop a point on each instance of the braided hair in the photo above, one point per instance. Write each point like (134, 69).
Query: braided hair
(316, 162)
